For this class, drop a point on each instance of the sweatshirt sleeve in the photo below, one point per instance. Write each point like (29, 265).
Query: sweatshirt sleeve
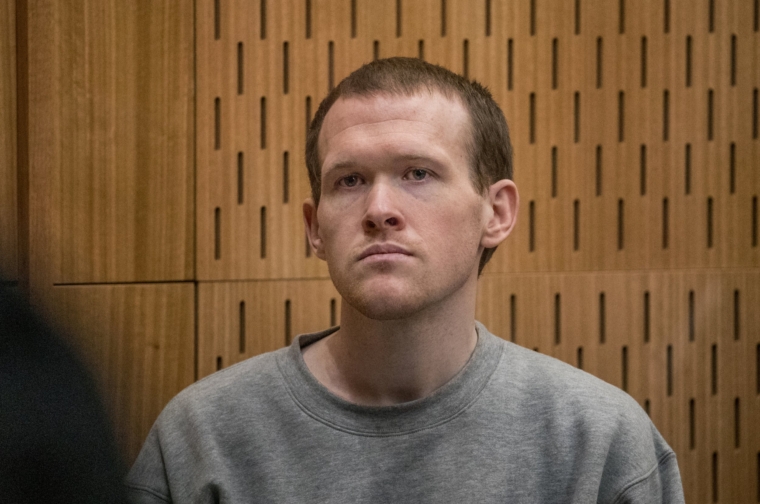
(661, 485)
(146, 482)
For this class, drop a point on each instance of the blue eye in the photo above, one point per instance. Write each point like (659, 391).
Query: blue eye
(419, 174)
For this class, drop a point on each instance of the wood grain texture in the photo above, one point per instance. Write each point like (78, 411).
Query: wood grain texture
(111, 114)
(8, 143)
(138, 341)
(237, 320)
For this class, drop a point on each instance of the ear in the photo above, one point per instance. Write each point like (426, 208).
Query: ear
(311, 223)
(502, 202)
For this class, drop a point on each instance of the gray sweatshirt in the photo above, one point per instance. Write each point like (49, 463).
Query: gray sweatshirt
(512, 426)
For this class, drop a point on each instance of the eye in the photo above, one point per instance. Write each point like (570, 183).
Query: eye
(418, 174)
(349, 181)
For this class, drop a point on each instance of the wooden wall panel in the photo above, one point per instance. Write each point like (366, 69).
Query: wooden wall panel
(121, 78)
(8, 142)
(139, 342)
(237, 320)
(684, 344)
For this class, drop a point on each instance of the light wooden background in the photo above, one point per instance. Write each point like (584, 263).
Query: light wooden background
(152, 174)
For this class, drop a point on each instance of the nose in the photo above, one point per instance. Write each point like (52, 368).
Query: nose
(383, 211)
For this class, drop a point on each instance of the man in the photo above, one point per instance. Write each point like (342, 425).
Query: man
(409, 400)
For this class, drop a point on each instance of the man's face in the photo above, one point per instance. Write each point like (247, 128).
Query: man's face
(399, 221)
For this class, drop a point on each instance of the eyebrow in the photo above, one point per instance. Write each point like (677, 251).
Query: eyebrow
(343, 165)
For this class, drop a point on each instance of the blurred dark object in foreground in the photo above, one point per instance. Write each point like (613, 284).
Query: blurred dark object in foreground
(56, 443)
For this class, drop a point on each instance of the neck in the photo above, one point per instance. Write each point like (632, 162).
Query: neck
(383, 362)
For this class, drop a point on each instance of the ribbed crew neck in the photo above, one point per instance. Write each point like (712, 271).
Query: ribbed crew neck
(445, 403)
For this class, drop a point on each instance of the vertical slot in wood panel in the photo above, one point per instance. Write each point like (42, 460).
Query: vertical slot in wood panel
(398, 18)
(308, 246)
(715, 475)
(621, 17)
(709, 222)
(598, 62)
(687, 169)
(733, 60)
(598, 170)
(688, 61)
(288, 330)
(602, 319)
(691, 315)
(466, 59)
(285, 67)
(240, 68)
(353, 18)
(554, 63)
(665, 224)
(737, 313)
(217, 233)
(532, 17)
(580, 357)
(240, 179)
(241, 327)
(737, 423)
(732, 168)
(577, 17)
(421, 50)
(532, 123)
(285, 177)
(648, 407)
(754, 221)
(754, 114)
(692, 424)
(512, 318)
(576, 225)
(554, 171)
(488, 18)
(621, 223)
(666, 16)
(376, 50)
(262, 19)
(333, 313)
(757, 369)
(621, 116)
(217, 123)
(643, 62)
(669, 379)
(330, 65)
(714, 369)
(643, 170)
(647, 317)
(219, 363)
(577, 117)
(308, 113)
(510, 64)
(263, 122)
(263, 230)
(532, 226)
(710, 114)
(217, 19)
(711, 16)
(443, 18)
(624, 368)
(665, 115)
(557, 319)
(307, 18)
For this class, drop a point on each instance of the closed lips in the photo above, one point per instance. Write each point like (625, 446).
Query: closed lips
(383, 249)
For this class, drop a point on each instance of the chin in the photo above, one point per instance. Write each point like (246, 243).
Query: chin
(383, 300)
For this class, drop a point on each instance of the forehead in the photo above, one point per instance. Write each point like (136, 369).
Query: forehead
(427, 119)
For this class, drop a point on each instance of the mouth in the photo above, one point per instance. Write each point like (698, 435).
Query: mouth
(383, 249)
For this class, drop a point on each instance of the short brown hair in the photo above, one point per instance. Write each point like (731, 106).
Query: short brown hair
(490, 148)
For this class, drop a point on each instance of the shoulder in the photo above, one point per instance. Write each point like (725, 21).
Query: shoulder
(584, 419)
